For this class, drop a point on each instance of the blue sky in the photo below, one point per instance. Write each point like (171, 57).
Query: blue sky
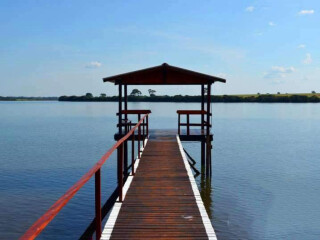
(53, 48)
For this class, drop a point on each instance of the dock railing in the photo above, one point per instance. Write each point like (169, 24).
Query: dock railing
(128, 123)
(47, 217)
(203, 124)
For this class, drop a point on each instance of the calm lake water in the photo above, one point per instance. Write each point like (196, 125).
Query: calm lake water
(265, 179)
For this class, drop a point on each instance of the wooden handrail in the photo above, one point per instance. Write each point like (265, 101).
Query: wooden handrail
(192, 112)
(194, 124)
(47, 217)
(188, 124)
(135, 112)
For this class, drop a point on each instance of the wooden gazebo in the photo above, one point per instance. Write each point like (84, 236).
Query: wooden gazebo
(166, 74)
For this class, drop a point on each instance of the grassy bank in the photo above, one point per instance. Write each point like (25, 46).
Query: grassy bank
(262, 98)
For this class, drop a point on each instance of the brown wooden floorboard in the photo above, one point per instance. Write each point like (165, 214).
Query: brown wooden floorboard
(160, 203)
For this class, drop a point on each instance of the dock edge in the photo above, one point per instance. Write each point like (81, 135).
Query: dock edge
(108, 227)
(204, 215)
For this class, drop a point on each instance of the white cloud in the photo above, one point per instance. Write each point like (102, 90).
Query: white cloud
(306, 12)
(93, 64)
(308, 59)
(279, 72)
(283, 69)
(250, 9)
(302, 46)
(272, 24)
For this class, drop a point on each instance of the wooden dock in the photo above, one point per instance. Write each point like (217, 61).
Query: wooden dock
(162, 200)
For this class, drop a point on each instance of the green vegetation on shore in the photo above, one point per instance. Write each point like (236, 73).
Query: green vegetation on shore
(259, 98)
(28, 98)
(136, 96)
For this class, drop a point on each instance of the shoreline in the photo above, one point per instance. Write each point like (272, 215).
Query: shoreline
(258, 98)
(245, 98)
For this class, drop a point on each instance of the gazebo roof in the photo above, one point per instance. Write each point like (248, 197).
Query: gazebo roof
(163, 75)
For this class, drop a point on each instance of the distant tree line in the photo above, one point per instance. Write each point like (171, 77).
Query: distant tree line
(21, 98)
(136, 96)
(267, 98)
(260, 98)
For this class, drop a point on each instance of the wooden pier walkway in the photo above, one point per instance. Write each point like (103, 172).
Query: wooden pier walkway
(162, 200)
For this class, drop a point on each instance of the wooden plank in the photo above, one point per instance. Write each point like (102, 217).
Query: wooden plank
(135, 111)
(161, 201)
(193, 112)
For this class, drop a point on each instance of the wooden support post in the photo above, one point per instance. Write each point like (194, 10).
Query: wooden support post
(208, 131)
(211, 139)
(188, 126)
(98, 203)
(179, 123)
(126, 100)
(139, 136)
(203, 153)
(203, 147)
(210, 158)
(147, 125)
(120, 110)
(120, 171)
(143, 133)
(132, 154)
(126, 129)
(120, 148)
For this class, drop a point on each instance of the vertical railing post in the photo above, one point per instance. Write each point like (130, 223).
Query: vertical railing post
(203, 146)
(202, 107)
(132, 154)
(98, 203)
(179, 123)
(125, 162)
(119, 153)
(120, 171)
(120, 110)
(208, 157)
(143, 133)
(188, 122)
(139, 135)
(147, 126)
